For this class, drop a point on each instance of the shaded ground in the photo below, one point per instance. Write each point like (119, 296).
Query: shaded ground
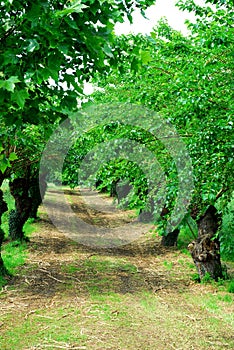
(138, 296)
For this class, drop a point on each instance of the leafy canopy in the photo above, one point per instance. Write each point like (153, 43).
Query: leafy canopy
(189, 81)
(47, 50)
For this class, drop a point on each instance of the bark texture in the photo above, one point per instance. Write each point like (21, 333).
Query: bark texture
(170, 240)
(122, 190)
(205, 250)
(147, 215)
(36, 192)
(19, 189)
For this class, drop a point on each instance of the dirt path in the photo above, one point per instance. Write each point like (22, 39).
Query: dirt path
(138, 296)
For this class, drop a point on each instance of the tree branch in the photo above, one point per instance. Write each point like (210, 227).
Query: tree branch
(7, 33)
(220, 193)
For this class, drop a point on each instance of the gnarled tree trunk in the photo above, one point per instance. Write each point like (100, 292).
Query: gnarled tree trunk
(23, 203)
(122, 190)
(3, 208)
(147, 215)
(170, 240)
(36, 192)
(205, 250)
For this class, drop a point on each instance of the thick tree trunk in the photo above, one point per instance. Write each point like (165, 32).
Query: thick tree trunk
(37, 194)
(3, 208)
(170, 240)
(23, 203)
(122, 190)
(99, 187)
(113, 192)
(147, 215)
(205, 250)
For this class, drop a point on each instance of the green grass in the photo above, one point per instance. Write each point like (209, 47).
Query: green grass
(29, 228)
(231, 287)
(148, 303)
(216, 303)
(54, 327)
(99, 275)
(225, 285)
(226, 298)
(14, 255)
(88, 313)
(168, 265)
(114, 321)
(95, 265)
(111, 320)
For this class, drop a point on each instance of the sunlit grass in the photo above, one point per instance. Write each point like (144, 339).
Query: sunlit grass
(14, 255)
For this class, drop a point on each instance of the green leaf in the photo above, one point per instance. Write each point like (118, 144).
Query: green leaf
(146, 57)
(76, 7)
(33, 45)
(9, 84)
(13, 156)
(135, 64)
(45, 73)
(54, 74)
(34, 13)
(108, 51)
(71, 23)
(63, 48)
(4, 163)
(19, 96)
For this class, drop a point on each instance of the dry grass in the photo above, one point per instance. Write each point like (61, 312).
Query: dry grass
(67, 296)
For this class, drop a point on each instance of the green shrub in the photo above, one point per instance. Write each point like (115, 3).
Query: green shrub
(231, 287)
(14, 255)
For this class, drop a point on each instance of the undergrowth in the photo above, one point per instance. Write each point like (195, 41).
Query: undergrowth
(226, 235)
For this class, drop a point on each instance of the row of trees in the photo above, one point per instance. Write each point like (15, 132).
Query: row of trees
(189, 82)
(47, 51)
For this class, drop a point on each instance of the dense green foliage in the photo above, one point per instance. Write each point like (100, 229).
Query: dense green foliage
(227, 233)
(110, 171)
(48, 49)
(189, 80)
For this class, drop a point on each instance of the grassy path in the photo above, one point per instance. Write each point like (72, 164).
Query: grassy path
(67, 296)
